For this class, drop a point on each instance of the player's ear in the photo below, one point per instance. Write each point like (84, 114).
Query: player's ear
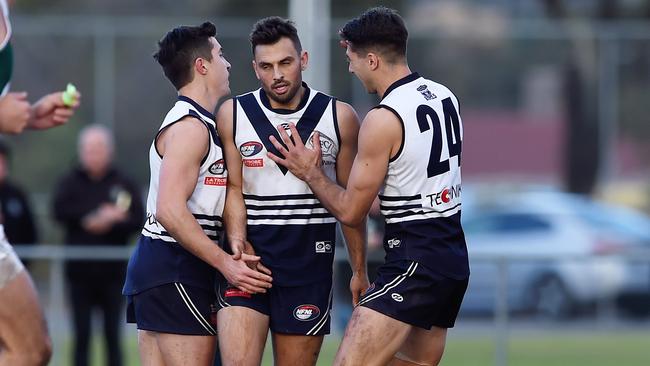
(200, 66)
(304, 60)
(372, 61)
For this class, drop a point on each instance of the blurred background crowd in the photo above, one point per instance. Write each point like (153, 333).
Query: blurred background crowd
(553, 96)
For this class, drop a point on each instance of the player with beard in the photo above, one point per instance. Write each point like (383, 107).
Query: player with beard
(271, 213)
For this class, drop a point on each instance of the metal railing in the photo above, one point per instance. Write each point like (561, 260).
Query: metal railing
(58, 254)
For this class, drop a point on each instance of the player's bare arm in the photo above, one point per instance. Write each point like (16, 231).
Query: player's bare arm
(379, 139)
(234, 213)
(355, 236)
(178, 175)
(50, 111)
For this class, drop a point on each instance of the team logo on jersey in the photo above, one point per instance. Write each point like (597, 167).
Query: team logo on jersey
(394, 243)
(323, 247)
(253, 163)
(215, 181)
(397, 297)
(306, 313)
(328, 148)
(426, 93)
(218, 167)
(445, 196)
(250, 148)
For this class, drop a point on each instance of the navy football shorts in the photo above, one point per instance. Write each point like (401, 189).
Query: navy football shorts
(174, 308)
(300, 310)
(416, 295)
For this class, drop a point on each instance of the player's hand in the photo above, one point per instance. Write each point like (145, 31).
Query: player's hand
(358, 285)
(112, 214)
(50, 111)
(243, 277)
(240, 247)
(303, 162)
(14, 112)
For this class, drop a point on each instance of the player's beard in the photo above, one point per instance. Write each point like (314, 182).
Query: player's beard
(287, 97)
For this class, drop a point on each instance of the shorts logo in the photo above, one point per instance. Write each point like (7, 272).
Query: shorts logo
(394, 243)
(214, 181)
(235, 292)
(217, 168)
(250, 148)
(306, 313)
(397, 297)
(323, 247)
(254, 163)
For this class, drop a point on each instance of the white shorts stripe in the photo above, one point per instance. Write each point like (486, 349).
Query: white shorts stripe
(323, 320)
(193, 310)
(221, 300)
(392, 284)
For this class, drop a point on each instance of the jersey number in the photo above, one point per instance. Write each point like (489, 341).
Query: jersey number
(425, 113)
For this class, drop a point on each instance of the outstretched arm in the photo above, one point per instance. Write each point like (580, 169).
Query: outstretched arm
(50, 111)
(183, 145)
(234, 215)
(355, 236)
(380, 137)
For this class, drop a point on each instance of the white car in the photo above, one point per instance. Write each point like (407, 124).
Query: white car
(559, 259)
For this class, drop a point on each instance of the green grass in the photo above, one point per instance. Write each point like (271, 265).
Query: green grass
(617, 348)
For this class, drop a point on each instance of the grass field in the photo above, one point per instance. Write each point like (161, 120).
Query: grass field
(619, 348)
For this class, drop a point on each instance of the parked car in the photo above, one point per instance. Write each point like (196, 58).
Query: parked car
(568, 248)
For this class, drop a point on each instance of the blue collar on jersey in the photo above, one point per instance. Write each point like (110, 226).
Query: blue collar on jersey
(265, 100)
(405, 80)
(197, 106)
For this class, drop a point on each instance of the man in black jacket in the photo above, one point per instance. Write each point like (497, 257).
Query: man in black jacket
(97, 205)
(16, 211)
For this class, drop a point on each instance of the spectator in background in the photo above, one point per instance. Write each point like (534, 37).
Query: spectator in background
(17, 216)
(97, 205)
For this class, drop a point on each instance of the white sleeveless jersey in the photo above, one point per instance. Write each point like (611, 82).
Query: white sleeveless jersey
(265, 182)
(208, 199)
(287, 225)
(423, 179)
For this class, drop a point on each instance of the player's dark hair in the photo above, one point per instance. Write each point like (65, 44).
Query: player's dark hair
(180, 47)
(378, 29)
(271, 29)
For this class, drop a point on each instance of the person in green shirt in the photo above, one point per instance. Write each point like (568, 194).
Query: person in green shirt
(16, 112)
(23, 330)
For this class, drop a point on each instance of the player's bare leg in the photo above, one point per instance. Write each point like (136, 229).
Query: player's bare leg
(242, 335)
(148, 347)
(296, 350)
(422, 347)
(371, 338)
(175, 349)
(23, 332)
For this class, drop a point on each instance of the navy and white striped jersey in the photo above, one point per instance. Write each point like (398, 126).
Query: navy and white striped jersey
(421, 197)
(287, 225)
(158, 258)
